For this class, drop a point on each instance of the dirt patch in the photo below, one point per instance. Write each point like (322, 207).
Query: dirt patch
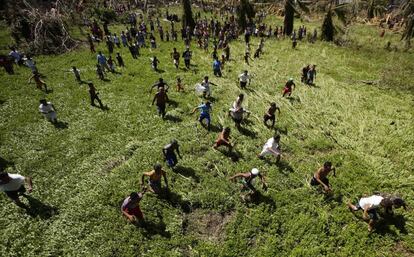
(206, 224)
(401, 250)
(113, 163)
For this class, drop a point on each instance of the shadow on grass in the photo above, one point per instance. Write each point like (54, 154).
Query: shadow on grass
(61, 125)
(160, 71)
(172, 103)
(103, 108)
(246, 132)
(234, 155)
(38, 209)
(172, 118)
(284, 167)
(214, 128)
(293, 99)
(383, 226)
(187, 172)
(152, 228)
(282, 131)
(259, 198)
(4, 164)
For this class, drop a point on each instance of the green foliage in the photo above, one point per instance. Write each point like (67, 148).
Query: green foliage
(82, 173)
(245, 13)
(105, 14)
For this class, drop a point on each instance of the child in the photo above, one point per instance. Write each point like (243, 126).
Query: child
(180, 86)
(154, 63)
(270, 114)
(38, 81)
(224, 139)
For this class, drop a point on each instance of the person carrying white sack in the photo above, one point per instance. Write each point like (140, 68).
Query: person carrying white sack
(48, 110)
(204, 87)
(272, 147)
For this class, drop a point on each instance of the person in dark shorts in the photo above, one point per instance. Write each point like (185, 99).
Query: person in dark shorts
(120, 60)
(161, 99)
(14, 186)
(77, 74)
(247, 180)
(288, 87)
(169, 153)
(155, 179)
(130, 207)
(224, 139)
(321, 176)
(205, 110)
(270, 114)
(160, 83)
(176, 57)
(94, 95)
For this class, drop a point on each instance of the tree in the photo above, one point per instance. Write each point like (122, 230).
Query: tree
(328, 27)
(188, 19)
(245, 12)
(407, 12)
(290, 10)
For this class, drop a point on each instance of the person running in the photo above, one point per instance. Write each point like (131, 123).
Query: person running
(39, 82)
(77, 74)
(111, 64)
(169, 153)
(205, 110)
(288, 87)
(176, 57)
(304, 75)
(237, 111)
(155, 179)
(120, 60)
(187, 54)
(102, 61)
(160, 83)
(91, 45)
(217, 68)
(270, 114)
(243, 79)
(133, 49)
(370, 205)
(161, 99)
(247, 180)
(205, 85)
(14, 186)
(272, 147)
(154, 63)
(224, 139)
(321, 176)
(130, 207)
(94, 95)
(311, 75)
(180, 86)
(29, 62)
(100, 72)
(48, 111)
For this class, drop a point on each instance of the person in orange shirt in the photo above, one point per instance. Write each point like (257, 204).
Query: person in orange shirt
(155, 179)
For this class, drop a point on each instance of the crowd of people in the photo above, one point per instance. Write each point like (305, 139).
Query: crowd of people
(219, 35)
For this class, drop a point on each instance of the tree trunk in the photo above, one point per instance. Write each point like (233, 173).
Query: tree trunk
(328, 29)
(289, 17)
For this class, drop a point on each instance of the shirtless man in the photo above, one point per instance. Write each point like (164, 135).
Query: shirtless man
(321, 176)
(39, 82)
(270, 114)
(161, 99)
(247, 179)
(288, 87)
(155, 179)
(224, 139)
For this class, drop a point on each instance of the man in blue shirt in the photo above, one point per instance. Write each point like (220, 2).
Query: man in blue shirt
(217, 67)
(204, 113)
(102, 61)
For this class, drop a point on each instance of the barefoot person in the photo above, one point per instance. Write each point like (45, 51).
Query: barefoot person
(13, 185)
(155, 179)
(205, 110)
(130, 207)
(161, 99)
(321, 176)
(94, 96)
(224, 139)
(270, 114)
(39, 82)
(247, 180)
(243, 79)
(271, 147)
(169, 153)
(48, 110)
(289, 87)
(176, 58)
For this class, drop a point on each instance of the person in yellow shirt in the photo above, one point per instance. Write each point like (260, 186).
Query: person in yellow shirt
(155, 179)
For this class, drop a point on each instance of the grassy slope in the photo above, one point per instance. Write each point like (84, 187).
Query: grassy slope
(84, 171)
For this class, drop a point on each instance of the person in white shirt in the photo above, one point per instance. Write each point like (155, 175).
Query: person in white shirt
(13, 185)
(205, 84)
(237, 111)
(48, 110)
(370, 205)
(272, 147)
(244, 78)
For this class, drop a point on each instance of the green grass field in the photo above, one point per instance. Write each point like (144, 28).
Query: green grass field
(82, 173)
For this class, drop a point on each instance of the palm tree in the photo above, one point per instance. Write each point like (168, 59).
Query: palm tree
(290, 10)
(328, 28)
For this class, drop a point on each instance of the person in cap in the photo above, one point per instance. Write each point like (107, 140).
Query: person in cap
(205, 110)
(321, 176)
(243, 79)
(289, 87)
(169, 153)
(247, 180)
(14, 185)
(270, 114)
(271, 147)
(224, 139)
(130, 207)
(370, 205)
(155, 179)
(48, 110)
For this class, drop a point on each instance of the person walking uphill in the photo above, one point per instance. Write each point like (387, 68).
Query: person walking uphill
(130, 207)
(321, 176)
(161, 99)
(169, 153)
(155, 179)
(13, 186)
(94, 95)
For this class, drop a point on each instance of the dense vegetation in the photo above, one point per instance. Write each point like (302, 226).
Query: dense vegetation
(82, 171)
